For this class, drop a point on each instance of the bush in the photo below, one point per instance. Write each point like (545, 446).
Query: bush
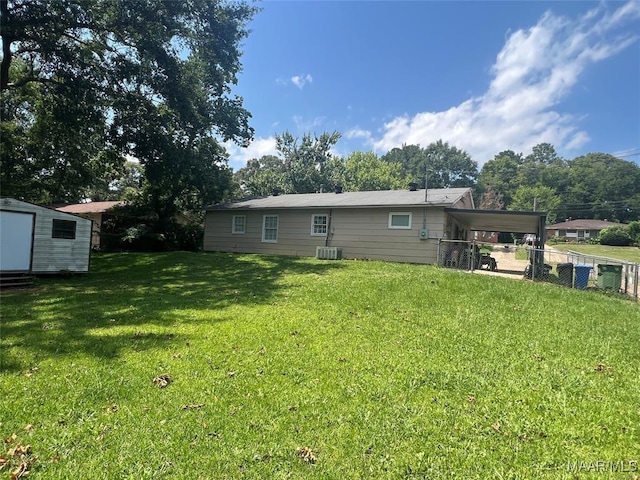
(557, 240)
(615, 236)
(142, 238)
(186, 237)
(634, 232)
(135, 228)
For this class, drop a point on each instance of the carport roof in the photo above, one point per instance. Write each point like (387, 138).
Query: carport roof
(499, 220)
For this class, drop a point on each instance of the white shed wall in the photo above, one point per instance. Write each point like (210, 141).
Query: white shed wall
(52, 255)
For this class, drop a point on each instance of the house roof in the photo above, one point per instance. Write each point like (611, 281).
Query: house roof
(583, 224)
(385, 198)
(90, 207)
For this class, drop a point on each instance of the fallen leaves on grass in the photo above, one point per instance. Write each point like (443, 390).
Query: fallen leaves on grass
(103, 433)
(498, 428)
(18, 458)
(193, 407)
(31, 371)
(161, 381)
(306, 454)
(602, 367)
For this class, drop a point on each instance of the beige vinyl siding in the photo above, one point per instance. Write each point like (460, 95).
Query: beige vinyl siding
(294, 233)
(52, 255)
(359, 232)
(365, 233)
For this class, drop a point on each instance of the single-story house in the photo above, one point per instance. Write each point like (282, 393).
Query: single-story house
(94, 211)
(393, 225)
(579, 230)
(37, 240)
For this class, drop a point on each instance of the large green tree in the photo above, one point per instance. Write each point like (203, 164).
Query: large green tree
(125, 185)
(147, 78)
(306, 160)
(261, 175)
(443, 165)
(543, 168)
(303, 165)
(365, 171)
(539, 199)
(602, 186)
(501, 175)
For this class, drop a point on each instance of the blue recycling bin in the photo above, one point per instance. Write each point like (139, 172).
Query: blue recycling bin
(582, 276)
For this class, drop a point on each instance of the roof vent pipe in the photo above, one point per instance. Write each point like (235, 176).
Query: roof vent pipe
(413, 186)
(338, 188)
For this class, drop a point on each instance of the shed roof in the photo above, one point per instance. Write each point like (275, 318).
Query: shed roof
(385, 198)
(13, 204)
(583, 224)
(89, 207)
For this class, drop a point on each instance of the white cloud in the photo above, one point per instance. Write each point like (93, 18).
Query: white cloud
(301, 80)
(358, 133)
(533, 73)
(238, 156)
(307, 125)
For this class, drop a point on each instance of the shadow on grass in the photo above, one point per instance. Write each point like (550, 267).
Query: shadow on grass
(149, 293)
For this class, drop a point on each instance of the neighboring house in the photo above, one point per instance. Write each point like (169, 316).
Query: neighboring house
(393, 225)
(94, 211)
(98, 212)
(35, 239)
(579, 230)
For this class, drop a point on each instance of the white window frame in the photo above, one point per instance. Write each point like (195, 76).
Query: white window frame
(314, 233)
(234, 229)
(264, 228)
(400, 227)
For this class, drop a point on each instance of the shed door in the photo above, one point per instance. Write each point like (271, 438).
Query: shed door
(16, 240)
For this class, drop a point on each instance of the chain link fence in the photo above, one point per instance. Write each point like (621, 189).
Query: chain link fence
(569, 269)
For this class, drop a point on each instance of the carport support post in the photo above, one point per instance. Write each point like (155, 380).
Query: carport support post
(472, 256)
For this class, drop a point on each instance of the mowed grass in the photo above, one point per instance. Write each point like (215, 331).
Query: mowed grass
(627, 254)
(303, 369)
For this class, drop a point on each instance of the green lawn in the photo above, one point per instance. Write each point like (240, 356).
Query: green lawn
(628, 254)
(297, 368)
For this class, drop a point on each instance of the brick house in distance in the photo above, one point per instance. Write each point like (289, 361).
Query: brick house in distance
(579, 230)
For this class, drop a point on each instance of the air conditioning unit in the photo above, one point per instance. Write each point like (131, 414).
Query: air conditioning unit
(328, 253)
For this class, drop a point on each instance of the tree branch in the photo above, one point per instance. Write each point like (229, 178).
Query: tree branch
(7, 38)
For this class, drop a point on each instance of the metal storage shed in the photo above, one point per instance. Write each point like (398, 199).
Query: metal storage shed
(39, 240)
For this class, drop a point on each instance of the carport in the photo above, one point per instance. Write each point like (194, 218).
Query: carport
(502, 221)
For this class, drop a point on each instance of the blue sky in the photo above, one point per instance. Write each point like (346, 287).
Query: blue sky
(484, 76)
